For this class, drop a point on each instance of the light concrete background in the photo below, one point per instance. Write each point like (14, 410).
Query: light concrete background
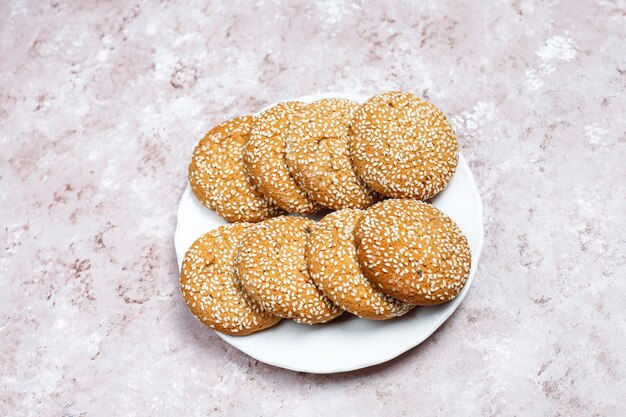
(101, 104)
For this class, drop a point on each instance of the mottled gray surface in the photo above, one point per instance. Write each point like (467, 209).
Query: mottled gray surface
(101, 104)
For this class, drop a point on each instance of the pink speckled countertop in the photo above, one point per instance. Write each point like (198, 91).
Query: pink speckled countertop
(101, 104)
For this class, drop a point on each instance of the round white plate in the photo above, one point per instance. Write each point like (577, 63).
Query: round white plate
(347, 343)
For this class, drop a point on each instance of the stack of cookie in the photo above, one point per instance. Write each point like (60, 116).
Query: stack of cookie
(333, 153)
(373, 259)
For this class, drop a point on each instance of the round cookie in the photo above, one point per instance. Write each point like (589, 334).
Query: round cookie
(413, 251)
(273, 269)
(403, 147)
(333, 265)
(211, 288)
(219, 178)
(264, 155)
(318, 157)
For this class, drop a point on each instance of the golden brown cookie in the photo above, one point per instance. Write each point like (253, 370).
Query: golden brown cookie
(273, 269)
(403, 147)
(318, 158)
(219, 178)
(413, 251)
(211, 288)
(333, 265)
(264, 154)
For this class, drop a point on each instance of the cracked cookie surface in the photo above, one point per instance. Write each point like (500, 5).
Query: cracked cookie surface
(218, 175)
(272, 266)
(318, 157)
(211, 288)
(403, 147)
(264, 154)
(413, 251)
(334, 266)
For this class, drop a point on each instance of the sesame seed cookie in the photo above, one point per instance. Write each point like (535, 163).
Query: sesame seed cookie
(403, 147)
(413, 251)
(219, 178)
(333, 265)
(211, 288)
(264, 154)
(318, 157)
(273, 269)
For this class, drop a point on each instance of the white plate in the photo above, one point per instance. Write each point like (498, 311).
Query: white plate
(347, 343)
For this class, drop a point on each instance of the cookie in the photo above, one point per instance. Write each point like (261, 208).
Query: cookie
(413, 251)
(333, 265)
(273, 269)
(318, 158)
(219, 178)
(264, 155)
(403, 147)
(211, 288)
